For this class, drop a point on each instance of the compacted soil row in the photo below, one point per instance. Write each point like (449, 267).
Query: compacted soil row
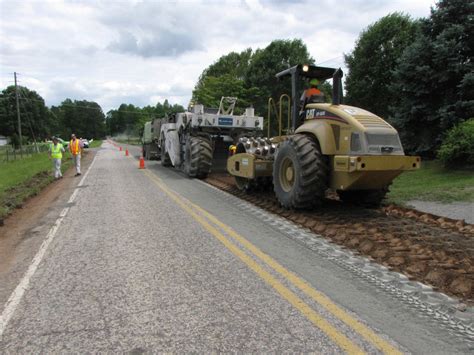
(436, 251)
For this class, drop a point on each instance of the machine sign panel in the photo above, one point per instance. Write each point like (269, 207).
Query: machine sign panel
(226, 121)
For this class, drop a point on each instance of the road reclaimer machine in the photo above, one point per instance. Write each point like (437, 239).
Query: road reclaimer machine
(197, 140)
(326, 146)
(150, 139)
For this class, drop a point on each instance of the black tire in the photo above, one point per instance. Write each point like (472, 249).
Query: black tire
(165, 157)
(146, 153)
(366, 198)
(197, 157)
(300, 173)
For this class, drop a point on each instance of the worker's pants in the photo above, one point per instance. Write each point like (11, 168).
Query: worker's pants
(77, 162)
(57, 168)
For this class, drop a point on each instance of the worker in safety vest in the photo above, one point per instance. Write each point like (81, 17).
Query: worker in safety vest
(313, 94)
(75, 147)
(56, 154)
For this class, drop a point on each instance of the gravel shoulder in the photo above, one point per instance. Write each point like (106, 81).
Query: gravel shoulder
(458, 210)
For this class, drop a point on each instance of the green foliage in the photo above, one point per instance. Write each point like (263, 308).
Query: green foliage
(277, 56)
(372, 61)
(23, 178)
(130, 119)
(210, 85)
(233, 64)
(250, 76)
(226, 77)
(434, 78)
(36, 119)
(458, 146)
(433, 183)
(84, 118)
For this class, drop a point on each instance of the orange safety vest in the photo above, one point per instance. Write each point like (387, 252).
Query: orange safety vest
(74, 148)
(312, 91)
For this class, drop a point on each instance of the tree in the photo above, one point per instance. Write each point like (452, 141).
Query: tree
(251, 76)
(277, 56)
(434, 78)
(129, 119)
(36, 119)
(373, 59)
(225, 77)
(84, 118)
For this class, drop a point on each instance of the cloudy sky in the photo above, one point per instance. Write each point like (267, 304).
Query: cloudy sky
(141, 52)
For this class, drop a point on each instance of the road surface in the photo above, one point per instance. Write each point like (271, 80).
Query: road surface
(151, 261)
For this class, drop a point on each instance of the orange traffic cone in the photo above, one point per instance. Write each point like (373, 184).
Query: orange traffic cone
(126, 152)
(142, 163)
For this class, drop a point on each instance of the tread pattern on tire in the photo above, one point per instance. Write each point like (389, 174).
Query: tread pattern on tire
(312, 174)
(200, 155)
(165, 158)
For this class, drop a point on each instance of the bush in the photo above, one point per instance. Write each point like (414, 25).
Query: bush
(458, 146)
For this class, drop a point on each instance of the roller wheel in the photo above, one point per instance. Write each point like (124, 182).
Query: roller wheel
(300, 173)
(198, 157)
(367, 198)
(165, 157)
(243, 184)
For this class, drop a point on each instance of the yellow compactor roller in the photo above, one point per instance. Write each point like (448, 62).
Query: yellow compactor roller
(327, 146)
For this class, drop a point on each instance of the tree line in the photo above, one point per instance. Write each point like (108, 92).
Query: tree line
(39, 122)
(84, 118)
(415, 73)
(418, 74)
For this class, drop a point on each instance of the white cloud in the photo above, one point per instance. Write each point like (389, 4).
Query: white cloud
(141, 52)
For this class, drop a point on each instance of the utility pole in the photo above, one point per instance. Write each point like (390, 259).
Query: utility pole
(18, 115)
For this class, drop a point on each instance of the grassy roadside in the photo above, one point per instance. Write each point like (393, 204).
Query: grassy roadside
(433, 183)
(22, 179)
(95, 144)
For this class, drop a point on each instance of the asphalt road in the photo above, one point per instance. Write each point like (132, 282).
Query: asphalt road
(150, 261)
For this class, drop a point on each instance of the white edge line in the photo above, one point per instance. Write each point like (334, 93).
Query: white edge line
(17, 294)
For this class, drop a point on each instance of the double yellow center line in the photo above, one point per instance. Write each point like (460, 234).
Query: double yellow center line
(210, 222)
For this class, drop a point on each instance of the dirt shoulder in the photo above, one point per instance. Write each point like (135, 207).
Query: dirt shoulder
(25, 229)
(433, 250)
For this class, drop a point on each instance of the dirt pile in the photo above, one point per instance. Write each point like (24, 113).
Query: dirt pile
(434, 250)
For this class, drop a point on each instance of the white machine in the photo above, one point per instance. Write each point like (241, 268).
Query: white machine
(198, 139)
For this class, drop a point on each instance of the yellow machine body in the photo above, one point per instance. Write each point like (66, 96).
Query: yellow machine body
(360, 165)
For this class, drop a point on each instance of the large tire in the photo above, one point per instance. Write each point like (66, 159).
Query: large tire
(366, 198)
(165, 157)
(300, 173)
(146, 152)
(198, 157)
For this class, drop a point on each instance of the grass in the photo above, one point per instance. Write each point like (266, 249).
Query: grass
(21, 179)
(95, 143)
(433, 183)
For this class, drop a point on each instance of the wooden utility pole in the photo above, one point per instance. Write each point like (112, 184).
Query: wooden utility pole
(18, 114)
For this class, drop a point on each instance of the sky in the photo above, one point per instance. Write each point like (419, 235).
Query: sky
(142, 52)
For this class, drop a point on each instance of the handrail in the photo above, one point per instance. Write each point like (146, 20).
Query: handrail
(278, 113)
(289, 110)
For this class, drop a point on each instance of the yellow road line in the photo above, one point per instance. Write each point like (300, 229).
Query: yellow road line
(340, 339)
(320, 298)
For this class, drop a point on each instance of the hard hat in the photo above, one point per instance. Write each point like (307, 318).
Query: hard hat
(314, 82)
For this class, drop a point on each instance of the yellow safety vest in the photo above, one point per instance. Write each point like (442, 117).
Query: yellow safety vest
(75, 149)
(56, 151)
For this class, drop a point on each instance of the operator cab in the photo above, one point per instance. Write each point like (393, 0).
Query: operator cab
(300, 73)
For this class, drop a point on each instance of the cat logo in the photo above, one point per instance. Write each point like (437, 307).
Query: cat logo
(315, 113)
